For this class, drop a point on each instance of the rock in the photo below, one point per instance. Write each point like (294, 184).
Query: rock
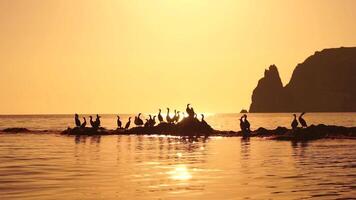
(16, 130)
(324, 82)
(243, 111)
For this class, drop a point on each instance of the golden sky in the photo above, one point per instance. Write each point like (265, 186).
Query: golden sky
(112, 56)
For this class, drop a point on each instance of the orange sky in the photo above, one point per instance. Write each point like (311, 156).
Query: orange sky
(90, 56)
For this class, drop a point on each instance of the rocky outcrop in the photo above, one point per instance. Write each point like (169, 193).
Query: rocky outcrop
(324, 82)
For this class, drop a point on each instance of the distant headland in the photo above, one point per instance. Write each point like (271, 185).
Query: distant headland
(324, 82)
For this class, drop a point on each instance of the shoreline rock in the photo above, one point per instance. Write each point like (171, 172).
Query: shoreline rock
(313, 132)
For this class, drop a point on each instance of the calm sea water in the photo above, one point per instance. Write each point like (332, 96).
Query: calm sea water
(52, 166)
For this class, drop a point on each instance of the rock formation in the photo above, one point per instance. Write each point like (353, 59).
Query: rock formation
(324, 82)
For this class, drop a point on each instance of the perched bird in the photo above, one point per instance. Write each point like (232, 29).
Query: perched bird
(202, 119)
(177, 117)
(147, 123)
(77, 121)
(160, 118)
(302, 121)
(84, 124)
(294, 122)
(190, 110)
(128, 123)
(119, 123)
(242, 123)
(92, 123)
(168, 117)
(246, 123)
(138, 121)
(97, 121)
(153, 123)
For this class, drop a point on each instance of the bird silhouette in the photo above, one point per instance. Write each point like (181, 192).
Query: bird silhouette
(202, 119)
(246, 123)
(160, 118)
(119, 123)
(97, 121)
(242, 123)
(84, 124)
(77, 121)
(190, 111)
(153, 123)
(138, 121)
(92, 123)
(128, 123)
(177, 117)
(147, 123)
(168, 117)
(302, 121)
(294, 122)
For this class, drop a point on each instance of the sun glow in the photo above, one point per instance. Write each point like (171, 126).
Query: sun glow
(180, 172)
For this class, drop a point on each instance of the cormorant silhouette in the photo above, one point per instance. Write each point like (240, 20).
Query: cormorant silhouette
(147, 123)
(174, 116)
(97, 121)
(294, 122)
(302, 121)
(84, 124)
(128, 123)
(92, 123)
(168, 117)
(202, 119)
(77, 121)
(153, 121)
(242, 123)
(138, 121)
(190, 111)
(119, 123)
(160, 118)
(247, 124)
(177, 117)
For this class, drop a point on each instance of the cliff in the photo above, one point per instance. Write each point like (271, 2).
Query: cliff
(324, 82)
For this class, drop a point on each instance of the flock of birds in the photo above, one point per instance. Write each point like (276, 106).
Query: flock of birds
(150, 122)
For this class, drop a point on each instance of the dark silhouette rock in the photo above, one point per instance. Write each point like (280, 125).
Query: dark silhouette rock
(243, 111)
(269, 93)
(324, 82)
(16, 130)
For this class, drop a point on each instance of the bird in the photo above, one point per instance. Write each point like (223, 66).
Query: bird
(92, 123)
(242, 123)
(97, 121)
(302, 121)
(246, 123)
(168, 118)
(153, 123)
(84, 124)
(147, 123)
(190, 111)
(119, 123)
(128, 123)
(160, 118)
(76, 119)
(177, 117)
(294, 122)
(138, 121)
(174, 116)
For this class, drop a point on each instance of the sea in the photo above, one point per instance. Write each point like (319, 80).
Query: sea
(44, 164)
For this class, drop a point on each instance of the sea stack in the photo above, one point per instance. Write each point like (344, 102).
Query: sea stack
(324, 82)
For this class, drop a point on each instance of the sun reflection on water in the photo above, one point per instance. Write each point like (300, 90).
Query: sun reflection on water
(180, 172)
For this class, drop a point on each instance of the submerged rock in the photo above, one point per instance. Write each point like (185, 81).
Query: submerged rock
(16, 130)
